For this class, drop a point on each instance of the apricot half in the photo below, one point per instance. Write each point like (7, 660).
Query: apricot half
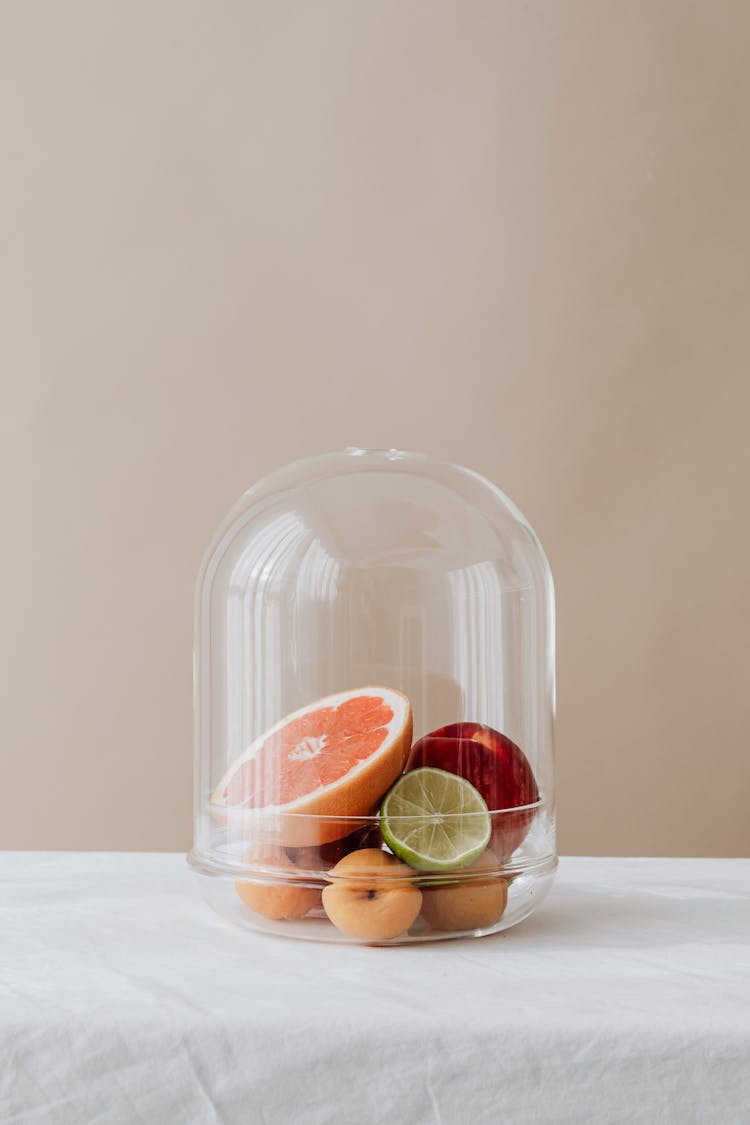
(279, 899)
(371, 895)
(472, 903)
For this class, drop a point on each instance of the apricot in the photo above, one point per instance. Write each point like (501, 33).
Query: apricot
(371, 895)
(280, 899)
(467, 904)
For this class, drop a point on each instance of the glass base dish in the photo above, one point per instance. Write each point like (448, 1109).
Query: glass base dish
(456, 906)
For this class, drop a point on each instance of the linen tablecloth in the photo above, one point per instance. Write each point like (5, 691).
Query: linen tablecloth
(625, 998)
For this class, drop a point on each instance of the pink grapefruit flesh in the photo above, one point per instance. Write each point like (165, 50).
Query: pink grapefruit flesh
(330, 760)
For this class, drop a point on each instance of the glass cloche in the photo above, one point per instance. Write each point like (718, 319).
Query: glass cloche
(374, 705)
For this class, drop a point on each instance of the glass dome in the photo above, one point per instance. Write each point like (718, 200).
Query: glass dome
(374, 704)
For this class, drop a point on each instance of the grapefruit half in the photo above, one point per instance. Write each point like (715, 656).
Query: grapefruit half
(334, 758)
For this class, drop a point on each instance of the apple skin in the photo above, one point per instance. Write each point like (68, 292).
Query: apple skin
(494, 765)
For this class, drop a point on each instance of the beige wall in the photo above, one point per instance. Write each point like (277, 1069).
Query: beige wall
(515, 235)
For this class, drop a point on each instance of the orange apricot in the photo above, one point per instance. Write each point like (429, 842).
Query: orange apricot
(280, 899)
(472, 903)
(371, 895)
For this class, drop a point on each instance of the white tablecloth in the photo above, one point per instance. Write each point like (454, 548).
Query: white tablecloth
(625, 998)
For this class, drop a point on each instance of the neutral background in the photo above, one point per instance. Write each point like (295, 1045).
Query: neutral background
(512, 234)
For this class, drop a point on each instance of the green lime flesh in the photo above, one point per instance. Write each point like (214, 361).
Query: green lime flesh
(434, 820)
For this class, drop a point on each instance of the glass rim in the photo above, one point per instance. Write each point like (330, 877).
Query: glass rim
(271, 812)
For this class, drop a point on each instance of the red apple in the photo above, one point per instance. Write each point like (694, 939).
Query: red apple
(494, 765)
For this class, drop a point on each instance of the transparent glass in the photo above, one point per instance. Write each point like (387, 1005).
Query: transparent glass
(416, 594)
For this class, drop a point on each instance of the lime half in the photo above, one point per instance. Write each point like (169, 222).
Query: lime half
(434, 820)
